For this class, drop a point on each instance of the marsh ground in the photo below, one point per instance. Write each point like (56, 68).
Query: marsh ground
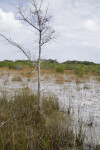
(78, 95)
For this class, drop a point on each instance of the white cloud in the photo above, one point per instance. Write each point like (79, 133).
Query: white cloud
(14, 29)
(8, 23)
(90, 25)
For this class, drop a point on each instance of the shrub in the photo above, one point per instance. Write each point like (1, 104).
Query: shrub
(79, 71)
(60, 69)
(69, 67)
(11, 66)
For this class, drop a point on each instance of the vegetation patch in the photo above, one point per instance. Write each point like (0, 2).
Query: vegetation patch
(17, 78)
(20, 128)
(79, 68)
(60, 69)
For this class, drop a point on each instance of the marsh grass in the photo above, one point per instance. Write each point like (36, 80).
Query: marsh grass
(60, 78)
(17, 78)
(20, 129)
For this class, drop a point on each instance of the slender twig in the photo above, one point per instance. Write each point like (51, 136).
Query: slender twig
(18, 46)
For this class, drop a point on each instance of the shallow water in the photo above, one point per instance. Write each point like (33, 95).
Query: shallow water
(83, 98)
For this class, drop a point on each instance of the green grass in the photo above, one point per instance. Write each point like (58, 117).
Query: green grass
(22, 130)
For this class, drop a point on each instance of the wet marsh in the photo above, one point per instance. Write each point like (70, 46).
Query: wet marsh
(78, 96)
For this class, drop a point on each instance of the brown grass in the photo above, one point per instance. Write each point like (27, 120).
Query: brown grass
(17, 78)
(47, 75)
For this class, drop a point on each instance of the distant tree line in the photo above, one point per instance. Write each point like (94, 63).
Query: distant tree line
(18, 64)
(5, 63)
(79, 62)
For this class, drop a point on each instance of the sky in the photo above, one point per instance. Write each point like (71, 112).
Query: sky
(77, 23)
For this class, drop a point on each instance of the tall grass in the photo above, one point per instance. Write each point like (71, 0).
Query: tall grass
(20, 129)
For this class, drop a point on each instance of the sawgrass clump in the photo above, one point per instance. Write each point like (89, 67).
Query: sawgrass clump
(20, 128)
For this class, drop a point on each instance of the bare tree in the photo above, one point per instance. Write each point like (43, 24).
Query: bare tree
(40, 20)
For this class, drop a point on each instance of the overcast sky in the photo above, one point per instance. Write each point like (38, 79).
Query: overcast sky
(77, 23)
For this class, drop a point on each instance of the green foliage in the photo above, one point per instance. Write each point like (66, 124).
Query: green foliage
(19, 64)
(49, 61)
(11, 65)
(28, 79)
(60, 69)
(48, 65)
(79, 71)
(69, 67)
(79, 62)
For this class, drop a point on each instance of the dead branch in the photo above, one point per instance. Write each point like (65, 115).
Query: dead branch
(19, 47)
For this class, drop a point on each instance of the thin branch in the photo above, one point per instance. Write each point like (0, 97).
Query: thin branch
(40, 5)
(49, 36)
(26, 19)
(18, 46)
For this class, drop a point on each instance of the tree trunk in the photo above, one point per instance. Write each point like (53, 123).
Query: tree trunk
(39, 76)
